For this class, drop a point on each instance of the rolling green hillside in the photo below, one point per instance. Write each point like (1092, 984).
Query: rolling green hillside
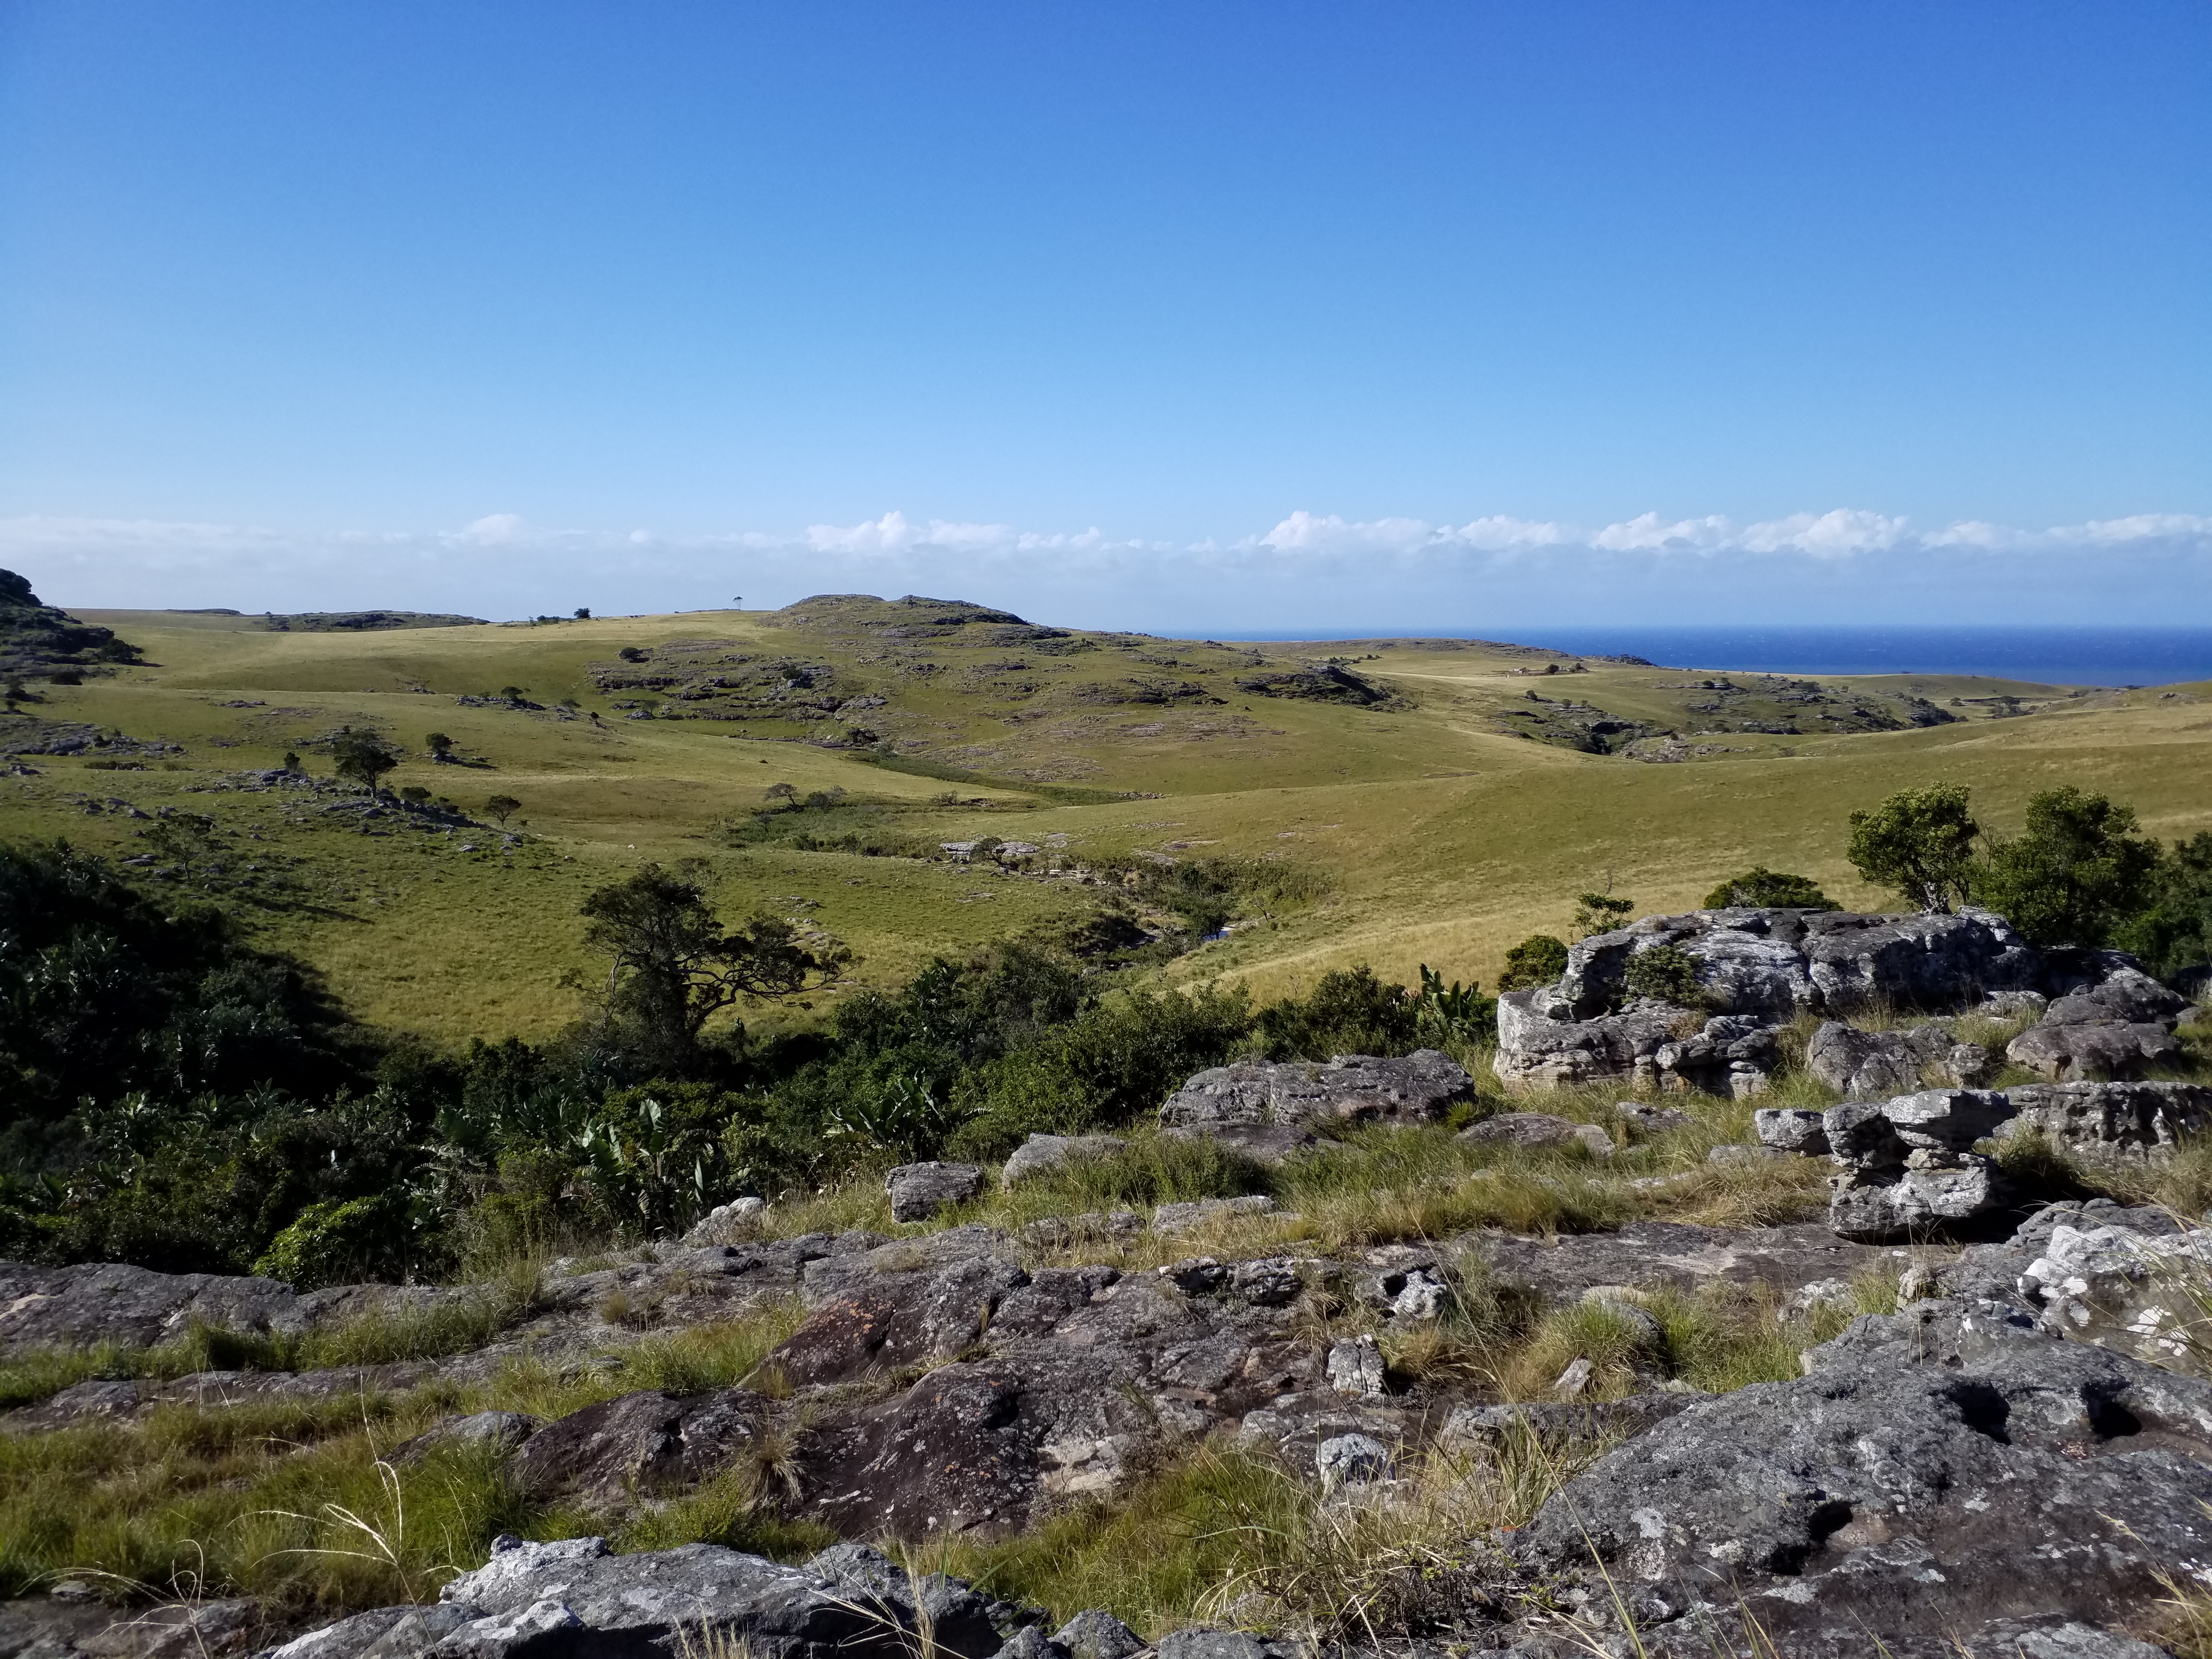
(1443, 798)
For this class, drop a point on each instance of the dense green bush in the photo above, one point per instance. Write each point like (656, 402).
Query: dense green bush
(1919, 843)
(1538, 959)
(1350, 1012)
(2173, 932)
(1666, 973)
(339, 1241)
(1769, 889)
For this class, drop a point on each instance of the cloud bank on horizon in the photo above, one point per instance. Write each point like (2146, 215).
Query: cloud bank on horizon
(1308, 570)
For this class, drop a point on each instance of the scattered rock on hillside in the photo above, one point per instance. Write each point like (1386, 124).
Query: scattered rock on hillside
(1875, 1064)
(1934, 1473)
(1046, 1154)
(1420, 1088)
(1538, 1130)
(919, 1191)
(1793, 1129)
(1652, 1119)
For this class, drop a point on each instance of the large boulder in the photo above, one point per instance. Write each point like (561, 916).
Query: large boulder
(1780, 962)
(2093, 1050)
(2125, 1289)
(1875, 1064)
(1042, 1155)
(1939, 1481)
(919, 1191)
(577, 1600)
(1541, 1045)
(2129, 1121)
(1420, 1088)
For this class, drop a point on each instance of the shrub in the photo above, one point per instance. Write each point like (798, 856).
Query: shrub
(1538, 959)
(1601, 913)
(1766, 888)
(339, 1241)
(2173, 933)
(1666, 973)
(1350, 1012)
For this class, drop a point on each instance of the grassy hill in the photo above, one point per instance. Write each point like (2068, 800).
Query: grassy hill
(1423, 800)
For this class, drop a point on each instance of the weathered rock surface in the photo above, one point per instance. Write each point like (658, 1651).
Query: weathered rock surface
(1791, 1129)
(1904, 1167)
(1540, 1050)
(577, 1600)
(640, 1445)
(1873, 1064)
(1044, 1154)
(919, 1191)
(2132, 1122)
(1351, 1088)
(60, 1624)
(1934, 1473)
(2090, 1050)
(1538, 1130)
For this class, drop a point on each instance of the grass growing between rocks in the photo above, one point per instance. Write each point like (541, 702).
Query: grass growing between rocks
(1225, 1537)
(303, 1504)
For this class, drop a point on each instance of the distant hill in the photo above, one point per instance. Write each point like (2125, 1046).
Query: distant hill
(358, 621)
(38, 640)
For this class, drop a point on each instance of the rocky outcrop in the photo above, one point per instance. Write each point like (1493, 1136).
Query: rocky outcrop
(642, 1445)
(577, 1599)
(2121, 1025)
(1906, 1166)
(2130, 1121)
(1541, 1045)
(1042, 1155)
(1779, 963)
(1935, 1478)
(1538, 1130)
(1355, 1089)
(1875, 1064)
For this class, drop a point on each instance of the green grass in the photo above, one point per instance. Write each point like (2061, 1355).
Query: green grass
(1438, 841)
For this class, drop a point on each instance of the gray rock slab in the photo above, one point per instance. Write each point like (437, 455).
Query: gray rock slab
(1043, 1154)
(1419, 1088)
(919, 1191)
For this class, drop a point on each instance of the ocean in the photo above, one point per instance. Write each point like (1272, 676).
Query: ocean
(2049, 656)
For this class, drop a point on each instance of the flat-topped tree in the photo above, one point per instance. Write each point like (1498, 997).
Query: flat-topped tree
(362, 758)
(676, 966)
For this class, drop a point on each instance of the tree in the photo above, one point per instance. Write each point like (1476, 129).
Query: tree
(16, 694)
(675, 966)
(441, 747)
(510, 694)
(291, 760)
(780, 792)
(583, 613)
(503, 807)
(1769, 889)
(1537, 960)
(2173, 933)
(1601, 913)
(1919, 843)
(2075, 874)
(362, 758)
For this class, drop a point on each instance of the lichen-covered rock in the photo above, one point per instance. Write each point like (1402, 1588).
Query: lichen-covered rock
(1420, 1088)
(1933, 1474)
(2125, 996)
(1905, 1169)
(1792, 1129)
(1541, 1048)
(2119, 1288)
(2133, 1121)
(1538, 1130)
(2092, 1050)
(1875, 1064)
(640, 1445)
(919, 1191)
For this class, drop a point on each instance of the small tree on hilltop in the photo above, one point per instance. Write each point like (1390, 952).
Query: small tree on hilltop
(675, 966)
(440, 745)
(780, 792)
(362, 758)
(503, 807)
(1919, 843)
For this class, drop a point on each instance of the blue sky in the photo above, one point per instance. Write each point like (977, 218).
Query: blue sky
(1181, 316)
